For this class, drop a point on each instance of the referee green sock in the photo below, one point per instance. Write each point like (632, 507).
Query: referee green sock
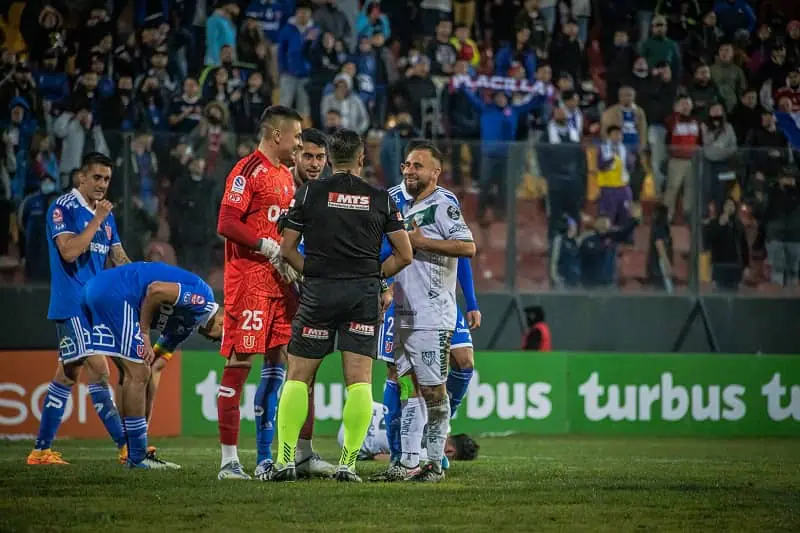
(292, 412)
(356, 418)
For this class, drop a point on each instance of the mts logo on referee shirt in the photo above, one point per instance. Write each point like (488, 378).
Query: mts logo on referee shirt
(353, 202)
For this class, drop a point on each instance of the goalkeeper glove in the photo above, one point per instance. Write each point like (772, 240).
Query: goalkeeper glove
(269, 248)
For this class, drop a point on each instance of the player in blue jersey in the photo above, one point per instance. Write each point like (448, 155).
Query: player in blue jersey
(82, 236)
(123, 305)
(412, 413)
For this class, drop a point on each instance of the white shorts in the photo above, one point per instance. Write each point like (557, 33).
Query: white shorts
(425, 351)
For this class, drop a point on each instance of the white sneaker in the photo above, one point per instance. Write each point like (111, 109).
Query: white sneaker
(314, 466)
(232, 470)
(262, 468)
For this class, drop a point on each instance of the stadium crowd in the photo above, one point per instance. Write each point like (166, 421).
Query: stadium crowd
(599, 110)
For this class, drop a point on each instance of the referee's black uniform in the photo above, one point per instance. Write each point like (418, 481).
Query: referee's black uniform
(343, 220)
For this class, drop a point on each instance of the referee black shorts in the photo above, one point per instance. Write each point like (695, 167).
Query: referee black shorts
(347, 308)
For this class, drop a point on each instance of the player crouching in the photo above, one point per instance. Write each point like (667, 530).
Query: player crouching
(169, 299)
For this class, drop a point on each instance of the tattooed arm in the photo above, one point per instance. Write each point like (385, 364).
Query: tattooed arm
(118, 256)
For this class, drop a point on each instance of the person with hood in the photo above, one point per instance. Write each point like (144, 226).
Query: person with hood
(326, 58)
(221, 30)
(719, 149)
(17, 135)
(371, 19)
(348, 104)
(658, 47)
(293, 66)
(728, 77)
(565, 260)
(393, 148)
(703, 91)
(22, 85)
(537, 338)
(329, 18)
(734, 15)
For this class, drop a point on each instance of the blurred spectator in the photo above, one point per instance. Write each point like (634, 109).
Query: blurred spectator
(657, 108)
(464, 126)
(105, 85)
(599, 247)
(728, 77)
(158, 70)
(660, 48)
(549, 10)
(333, 121)
(271, 16)
(250, 37)
(520, 53)
(186, 110)
(537, 338)
(8, 166)
(33, 229)
(192, 201)
(393, 148)
(631, 120)
(385, 75)
(645, 17)
(613, 178)
(791, 91)
(441, 52)
(466, 48)
(783, 227)
(51, 81)
(767, 150)
(618, 60)
(21, 85)
(726, 240)
(213, 142)
(218, 89)
(581, 11)
(432, 12)
(563, 164)
(80, 135)
(719, 149)
(531, 17)
(371, 20)
(44, 162)
(141, 227)
(683, 139)
(793, 42)
(746, 115)
(248, 106)
(294, 68)
(349, 105)
(660, 252)
(566, 52)
(464, 13)
(144, 167)
(150, 106)
(565, 260)
(17, 137)
(704, 40)
(126, 57)
(735, 15)
(221, 30)
(703, 91)
(416, 88)
(774, 71)
(329, 18)
(325, 62)
(42, 27)
(366, 70)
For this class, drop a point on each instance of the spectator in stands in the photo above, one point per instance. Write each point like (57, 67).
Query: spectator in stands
(144, 167)
(566, 52)
(660, 252)
(571, 100)
(618, 61)
(563, 164)
(466, 48)
(704, 40)
(8, 167)
(105, 85)
(325, 61)
(33, 229)
(417, 88)
(51, 81)
(735, 15)
(537, 338)
(565, 260)
(347, 103)
(271, 16)
(631, 120)
(385, 75)
(44, 162)
(767, 151)
(141, 228)
(747, 114)
(657, 108)
(518, 54)
(393, 147)
(366, 70)
(660, 48)
(719, 149)
(464, 12)
(790, 91)
(773, 73)
(17, 136)
(251, 36)
(613, 178)
(727, 242)
(42, 27)
(728, 77)
(464, 129)
(221, 30)
(79, 134)
(218, 90)
(793, 42)
(248, 106)
(531, 17)
(186, 110)
(371, 20)
(783, 227)
(441, 52)
(333, 121)
(703, 91)
(150, 107)
(683, 139)
(213, 142)
(599, 250)
(329, 18)
(432, 12)
(22, 85)
(549, 11)
(192, 200)
(294, 68)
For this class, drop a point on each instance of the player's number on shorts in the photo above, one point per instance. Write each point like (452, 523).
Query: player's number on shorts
(389, 327)
(253, 320)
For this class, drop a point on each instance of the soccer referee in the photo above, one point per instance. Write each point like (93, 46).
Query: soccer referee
(342, 220)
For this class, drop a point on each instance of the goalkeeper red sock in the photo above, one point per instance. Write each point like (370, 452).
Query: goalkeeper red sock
(228, 400)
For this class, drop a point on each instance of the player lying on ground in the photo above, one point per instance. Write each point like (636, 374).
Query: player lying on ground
(124, 304)
(82, 235)
(259, 298)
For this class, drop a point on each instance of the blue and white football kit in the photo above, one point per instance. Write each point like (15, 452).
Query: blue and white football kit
(114, 297)
(70, 214)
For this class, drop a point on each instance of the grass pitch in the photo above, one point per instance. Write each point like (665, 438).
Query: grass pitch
(518, 484)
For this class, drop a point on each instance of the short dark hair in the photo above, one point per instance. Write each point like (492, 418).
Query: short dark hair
(569, 95)
(279, 112)
(314, 136)
(424, 144)
(612, 128)
(345, 147)
(466, 447)
(96, 158)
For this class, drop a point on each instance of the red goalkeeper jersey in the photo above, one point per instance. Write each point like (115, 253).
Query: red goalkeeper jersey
(260, 192)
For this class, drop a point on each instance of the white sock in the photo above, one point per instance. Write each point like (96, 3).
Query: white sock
(303, 450)
(411, 427)
(229, 453)
(438, 423)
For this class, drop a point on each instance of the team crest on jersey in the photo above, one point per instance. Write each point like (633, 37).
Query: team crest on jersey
(453, 212)
(353, 202)
(58, 216)
(140, 350)
(249, 341)
(366, 330)
(315, 333)
(108, 231)
(238, 184)
(388, 347)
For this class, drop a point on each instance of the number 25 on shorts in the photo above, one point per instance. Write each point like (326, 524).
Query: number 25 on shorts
(252, 320)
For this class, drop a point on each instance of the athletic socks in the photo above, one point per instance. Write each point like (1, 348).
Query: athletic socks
(307, 431)
(438, 424)
(136, 430)
(457, 385)
(103, 403)
(266, 406)
(292, 411)
(412, 427)
(228, 398)
(356, 418)
(391, 417)
(53, 411)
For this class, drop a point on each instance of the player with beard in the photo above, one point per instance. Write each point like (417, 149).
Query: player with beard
(313, 160)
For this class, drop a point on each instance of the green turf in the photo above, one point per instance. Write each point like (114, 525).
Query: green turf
(518, 484)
